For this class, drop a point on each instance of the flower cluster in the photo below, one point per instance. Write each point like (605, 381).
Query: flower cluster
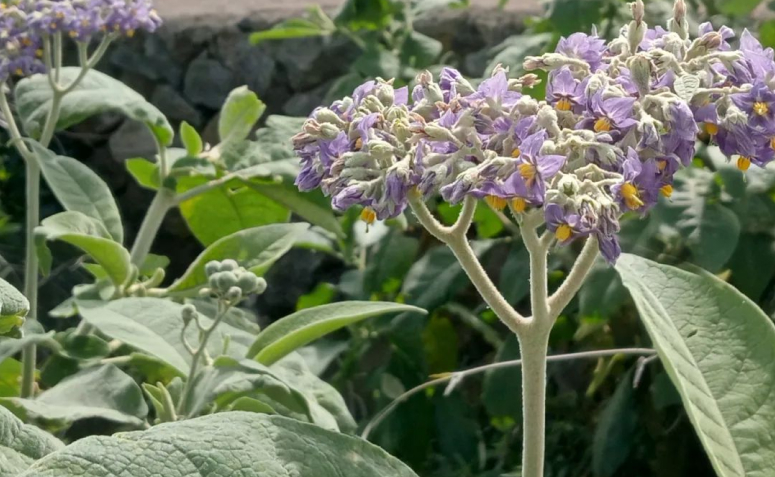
(25, 23)
(619, 119)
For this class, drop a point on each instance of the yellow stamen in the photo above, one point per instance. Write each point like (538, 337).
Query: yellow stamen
(563, 104)
(743, 163)
(496, 202)
(772, 143)
(711, 128)
(527, 171)
(368, 215)
(73, 34)
(760, 108)
(666, 190)
(19, 72)
(630, 195)
(130, 33)
(358, 144)
(516, 153)
(518, 205)
(563, 232)
(39, 53)
(602, 125)
(661, 164)
(26, 42)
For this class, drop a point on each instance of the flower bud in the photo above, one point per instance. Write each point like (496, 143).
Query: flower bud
(386, 94)
(247, 282)
(329, 131)
(212, 267)
(640, 71)
(260, 286)
(325, 115)
(635, 33)
(638, 10)
(229, 265)
(678, 23)
(233, 294)
(226, 280)
(188, 312)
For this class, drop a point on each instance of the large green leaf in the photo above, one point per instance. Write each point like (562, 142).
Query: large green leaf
(614, 433)
(310, 206)
(296, 330)
(738, 7)
(88, 235)
(12, 346)
(22, 444)
(719, 349)
(103, 392)
(13, 307)
(239, 114)
(154, 326)
(237, 209)
(255, 249)
(231, 443)
(79, 189)
(96, 93)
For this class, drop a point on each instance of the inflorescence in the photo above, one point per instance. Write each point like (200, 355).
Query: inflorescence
(619, 119)
(25, 24)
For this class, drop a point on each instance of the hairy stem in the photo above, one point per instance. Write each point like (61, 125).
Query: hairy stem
(533, 346)
(575, 278)
(161, 204)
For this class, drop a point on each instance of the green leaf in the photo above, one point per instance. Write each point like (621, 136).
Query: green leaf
(12, 346)
(237, 209)
(602, 293)
(154, 326)
(738, 7)
(88, 235)
(365, 14)
(273, 138)
(614, 432)
(96, 93)
(145, 172)
(190, 139)
(718, 348)
(511, 52)
(421, 51)
(570, 16)
(10, 379)
(300, 328)
(377, 61)
(310, 206)
(231, 443)
(514, 280)
(292, 28)
(239, 114)
(22, 444)
(103, 392)
(393, 258)
(79, 189)
(13, 307)
(255, 249)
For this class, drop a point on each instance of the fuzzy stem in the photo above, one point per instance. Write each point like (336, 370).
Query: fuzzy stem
(161, 204)
(533, 346)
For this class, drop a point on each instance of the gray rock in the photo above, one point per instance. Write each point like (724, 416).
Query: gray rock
(208, 82)
(175, 106)
(301, 104)
(252, 65)
(314, 60)
(132, 139)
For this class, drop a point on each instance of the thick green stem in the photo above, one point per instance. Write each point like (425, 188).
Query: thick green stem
(533, 345)
(161, 204)
(31, 271)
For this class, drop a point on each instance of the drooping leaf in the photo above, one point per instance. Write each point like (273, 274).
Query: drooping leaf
(154, 326)
(294, 331)
(13, 307)
(237, 208)
(88, 235)
(96, 93)
(79, 189)
(614, 433)
(103, 392)
(255, 249)
(239, 114)
(228, 443)
(22, 444)
(191, 139)
(718, 348)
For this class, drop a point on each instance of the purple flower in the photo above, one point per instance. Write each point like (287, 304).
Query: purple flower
(564, 91)
(496, 90)
(681, 133)
(588, 48)
(654, 38)
(535, 169)
(566, 226)
(759, 59)
(759, 104)
(725, 32)
(639, 189)
(608, 115)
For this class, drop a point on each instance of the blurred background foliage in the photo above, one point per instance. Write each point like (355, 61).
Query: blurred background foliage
(612, 417)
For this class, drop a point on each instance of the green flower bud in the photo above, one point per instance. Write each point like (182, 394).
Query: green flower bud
(188, 313)
(229, 265)
(212, 267)
(212, 281)
(234, 294)
(247, 282)
(226, 280)
(260, 286)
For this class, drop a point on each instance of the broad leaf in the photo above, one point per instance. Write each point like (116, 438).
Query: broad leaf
(239, 114)
(96, 93)
(191, 139)
(231, 443)
(145, 172)
(88, 235)
(154, 326)
(79, 189)
(237, 209)
(296, 330)
(719, 349)
(103, 392)
(255, 249)
(12, 346)
(22, 444)
(13, 307)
